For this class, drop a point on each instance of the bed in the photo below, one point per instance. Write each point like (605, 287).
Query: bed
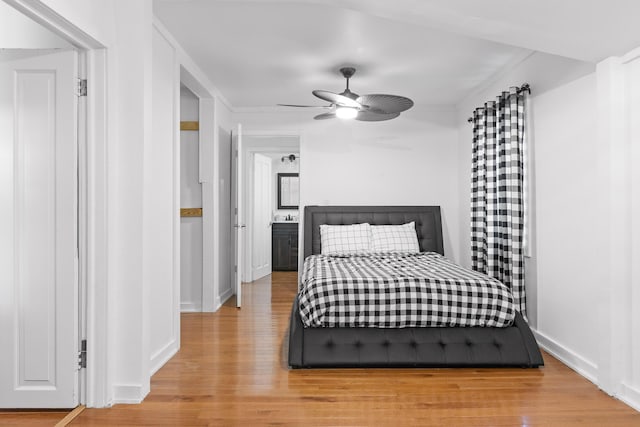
(405, 346)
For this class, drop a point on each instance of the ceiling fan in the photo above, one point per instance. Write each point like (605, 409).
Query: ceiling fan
(349, 105)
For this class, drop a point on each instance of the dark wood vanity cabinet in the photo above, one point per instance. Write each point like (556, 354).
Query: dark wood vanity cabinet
(284, 246)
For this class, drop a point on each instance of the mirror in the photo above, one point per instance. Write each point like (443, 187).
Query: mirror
(288, 190)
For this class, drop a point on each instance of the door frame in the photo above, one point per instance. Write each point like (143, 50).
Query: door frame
(249, 198)
(92, 198)
(208, 153)
(248, 153)
(211, 102)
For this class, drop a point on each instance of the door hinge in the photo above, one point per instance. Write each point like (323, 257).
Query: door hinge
(82, 355)
(82, 87)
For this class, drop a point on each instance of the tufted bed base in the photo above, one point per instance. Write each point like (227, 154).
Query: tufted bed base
(411, 347)
(514, 346)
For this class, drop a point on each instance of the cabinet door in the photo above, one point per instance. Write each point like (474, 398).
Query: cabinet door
(292, 260)
(280, 251)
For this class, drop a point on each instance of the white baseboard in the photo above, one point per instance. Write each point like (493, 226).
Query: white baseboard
(135, 393)
(190, 307)
(129, 393)
(630, 395)
(225, 296)
(163, 355)
(584, 367)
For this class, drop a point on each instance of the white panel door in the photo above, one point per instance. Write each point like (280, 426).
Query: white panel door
(262, 215)
(239, 225)
(38, 229)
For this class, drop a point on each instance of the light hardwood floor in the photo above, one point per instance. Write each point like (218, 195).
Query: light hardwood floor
(231, 370)
(35, 418)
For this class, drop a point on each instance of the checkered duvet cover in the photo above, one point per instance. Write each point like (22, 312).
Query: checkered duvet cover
(400, 291)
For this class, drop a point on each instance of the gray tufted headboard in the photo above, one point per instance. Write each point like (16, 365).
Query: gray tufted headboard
(427, 219)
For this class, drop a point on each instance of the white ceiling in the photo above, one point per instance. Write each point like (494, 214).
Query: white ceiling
(263, 52)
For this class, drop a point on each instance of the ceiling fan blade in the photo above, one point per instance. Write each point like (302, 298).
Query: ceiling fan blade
(370, 116)
(386, 103)
(336, 98)
(325, 116)
(304, 106)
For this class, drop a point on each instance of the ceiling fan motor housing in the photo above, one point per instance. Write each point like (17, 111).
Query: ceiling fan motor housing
(347, 72)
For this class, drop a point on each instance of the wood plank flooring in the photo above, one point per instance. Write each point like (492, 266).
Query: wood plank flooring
(35, 418)
(231, 370)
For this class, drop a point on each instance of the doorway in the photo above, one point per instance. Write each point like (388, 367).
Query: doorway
(272, 177)
(191, 237)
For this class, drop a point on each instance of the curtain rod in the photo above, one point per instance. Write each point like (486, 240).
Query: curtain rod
(523, 88)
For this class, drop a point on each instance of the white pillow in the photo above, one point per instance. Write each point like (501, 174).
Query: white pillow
(345, 239)
(394, 238)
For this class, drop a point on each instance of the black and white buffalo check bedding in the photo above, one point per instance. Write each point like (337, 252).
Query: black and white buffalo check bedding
(400, 291)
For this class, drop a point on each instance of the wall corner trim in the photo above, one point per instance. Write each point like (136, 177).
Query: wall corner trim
(128, 393)
(190, 307)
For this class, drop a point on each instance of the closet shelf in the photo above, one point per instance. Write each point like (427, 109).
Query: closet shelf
(189, 125)
(190, 212)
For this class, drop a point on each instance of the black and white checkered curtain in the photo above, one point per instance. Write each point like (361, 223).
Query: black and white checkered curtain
(497, 192)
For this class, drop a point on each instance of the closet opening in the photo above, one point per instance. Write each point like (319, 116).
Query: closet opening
(191, 224)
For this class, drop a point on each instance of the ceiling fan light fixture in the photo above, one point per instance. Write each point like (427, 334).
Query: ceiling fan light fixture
(346, 113)
(365, 108)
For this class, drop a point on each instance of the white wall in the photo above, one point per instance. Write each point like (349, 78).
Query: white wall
(129, 106)
(579, 299)
(618, 84)
(565, 159)
(190, 197)
(411, 160)
(161, 208)
(631, 381)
